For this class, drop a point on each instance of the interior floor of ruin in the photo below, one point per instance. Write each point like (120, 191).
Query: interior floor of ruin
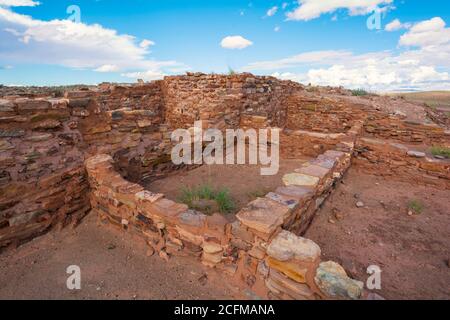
(113, 266)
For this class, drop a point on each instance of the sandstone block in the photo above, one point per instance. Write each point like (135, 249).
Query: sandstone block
(298, 179)
(282, 199)
(287, 246)
(313, 170)
(292, 288)
(263, 215)
(6, 105)
(149, 196)
(333, 281)
(26, 105)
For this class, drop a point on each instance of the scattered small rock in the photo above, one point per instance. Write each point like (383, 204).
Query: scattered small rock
(360, 204)
(111, 246)
(150, 251)
(203, 279)
(163, 255)
(416, 154)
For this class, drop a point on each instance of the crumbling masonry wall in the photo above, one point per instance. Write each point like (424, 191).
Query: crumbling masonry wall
(94, 149)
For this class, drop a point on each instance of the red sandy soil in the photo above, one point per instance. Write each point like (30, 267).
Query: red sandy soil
(412, 251)
(114, 265)
(244, 182)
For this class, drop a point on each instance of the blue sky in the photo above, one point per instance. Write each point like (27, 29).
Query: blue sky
(310, 41)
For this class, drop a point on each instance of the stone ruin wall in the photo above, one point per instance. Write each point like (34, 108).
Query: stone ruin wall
(44, 141)
(121, 134)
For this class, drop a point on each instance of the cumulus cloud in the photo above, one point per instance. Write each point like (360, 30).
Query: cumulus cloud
(396, 25)
(19, 3)
(145, 75)
(146, 43)
(235, 42)
(272, 11)
(24, 39)
(312, 9)
(424, 68)
(427, 33)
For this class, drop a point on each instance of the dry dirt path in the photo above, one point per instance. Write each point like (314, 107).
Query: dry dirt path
(113, 265)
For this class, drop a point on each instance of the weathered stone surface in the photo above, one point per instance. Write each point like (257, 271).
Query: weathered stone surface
(5, 145)
(300, 193)
(324, 162)
(149, 196)
(416, 154)
(189, 236)
(15, 133)
(24, 104)
(216, 222)
(6, 105)
(282, 199)
(333, 281)
(211, 247)
(298, 179)
(287, 246)
(313, 170)
(263, 215)
(39, 137)
(192, 218)
(292, 288)
(240, 231)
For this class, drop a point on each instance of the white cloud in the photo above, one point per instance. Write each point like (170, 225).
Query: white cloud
(145, 75)
(309, 58)
(312, 9)
(19, 3)
(107, 68)
(272, 11)
(396, 25)
(235, 42)
(24, 39)
(427, 33)
(146, 43)
(277, 29)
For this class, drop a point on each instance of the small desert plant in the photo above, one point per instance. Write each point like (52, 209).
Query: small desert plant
(257, 194)
(359, 92)
(441, 151)
(231, 71)
(191, 196)
(415, 206)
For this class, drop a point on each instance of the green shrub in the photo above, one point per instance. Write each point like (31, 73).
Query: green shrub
(441, 151)
(222, 197)
(359, 92)
(415, 206)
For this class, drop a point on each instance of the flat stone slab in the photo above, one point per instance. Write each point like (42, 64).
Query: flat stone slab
(313, 170)
(287, 246)
(416, 154)
(299, 179)
(263, 215)
(285, 200)
(338, 155)
(297, 192)
(148, 196)
(324, 162)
